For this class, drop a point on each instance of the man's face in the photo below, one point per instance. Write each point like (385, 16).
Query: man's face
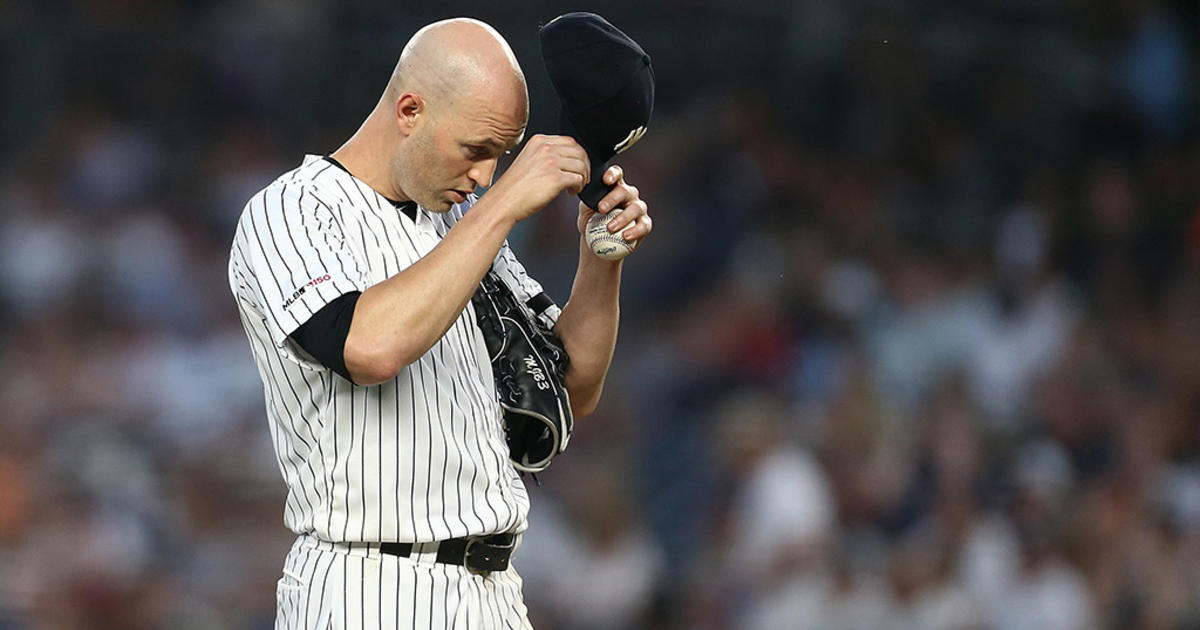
(455, 148)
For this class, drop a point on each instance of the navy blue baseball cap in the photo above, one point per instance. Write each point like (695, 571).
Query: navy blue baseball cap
(605, 83)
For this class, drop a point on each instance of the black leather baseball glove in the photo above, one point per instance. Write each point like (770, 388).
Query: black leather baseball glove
(529, 365)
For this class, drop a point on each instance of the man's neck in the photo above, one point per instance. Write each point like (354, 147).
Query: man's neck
(361, 156)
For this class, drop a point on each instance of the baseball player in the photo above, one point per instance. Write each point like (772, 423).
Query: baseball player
(353, 275)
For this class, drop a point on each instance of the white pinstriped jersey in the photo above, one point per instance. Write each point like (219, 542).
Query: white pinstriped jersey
(420, 458)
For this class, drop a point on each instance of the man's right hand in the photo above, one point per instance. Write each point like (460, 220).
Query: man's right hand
(545, 167)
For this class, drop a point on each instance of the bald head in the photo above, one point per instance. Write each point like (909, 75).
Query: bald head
(457, 59)
(456, 101)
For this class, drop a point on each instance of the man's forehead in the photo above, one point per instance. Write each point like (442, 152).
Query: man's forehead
(497, 130)
(502, 142)
(498, 114)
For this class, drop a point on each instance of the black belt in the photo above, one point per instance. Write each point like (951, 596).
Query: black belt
(479, 554)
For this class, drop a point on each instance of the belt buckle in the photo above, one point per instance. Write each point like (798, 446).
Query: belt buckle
(495, 556)
(466, 559)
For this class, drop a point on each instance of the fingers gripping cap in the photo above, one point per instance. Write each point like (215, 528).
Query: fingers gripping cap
(605, 83)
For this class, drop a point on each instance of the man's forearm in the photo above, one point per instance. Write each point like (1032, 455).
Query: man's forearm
(399, 319)
(588, 328)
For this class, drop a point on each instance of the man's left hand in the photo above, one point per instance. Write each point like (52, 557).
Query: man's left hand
(628, 213)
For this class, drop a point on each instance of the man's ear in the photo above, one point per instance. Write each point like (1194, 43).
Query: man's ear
(408, 108)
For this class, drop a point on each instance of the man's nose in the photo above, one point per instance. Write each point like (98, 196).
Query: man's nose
(483, 171)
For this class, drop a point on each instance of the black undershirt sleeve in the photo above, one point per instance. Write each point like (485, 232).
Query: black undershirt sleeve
(539, 303)
(324, 334)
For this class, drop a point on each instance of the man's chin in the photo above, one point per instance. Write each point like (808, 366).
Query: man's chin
(436, 205)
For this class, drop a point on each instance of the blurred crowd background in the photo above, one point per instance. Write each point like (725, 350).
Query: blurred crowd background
(915, 343)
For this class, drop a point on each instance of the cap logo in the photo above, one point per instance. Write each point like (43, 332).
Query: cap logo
(631, 139)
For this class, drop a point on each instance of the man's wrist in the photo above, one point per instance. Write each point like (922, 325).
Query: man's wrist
(588, 258)
(494, 213)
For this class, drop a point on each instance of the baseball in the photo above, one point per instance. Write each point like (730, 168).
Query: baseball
(605, 244)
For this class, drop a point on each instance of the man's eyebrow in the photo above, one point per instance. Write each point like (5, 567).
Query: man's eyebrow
(496, 145)
(487, 142)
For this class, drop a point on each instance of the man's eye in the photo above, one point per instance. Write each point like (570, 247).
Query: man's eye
(477, 151)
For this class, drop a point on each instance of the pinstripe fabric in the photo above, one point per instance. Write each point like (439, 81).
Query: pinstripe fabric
(353, 586)
(418, 459)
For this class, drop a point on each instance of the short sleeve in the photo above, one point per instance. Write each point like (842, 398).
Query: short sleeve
(296, 255)
(528, 290)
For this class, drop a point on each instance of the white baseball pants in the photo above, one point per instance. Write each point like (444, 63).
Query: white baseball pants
(352, 586)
